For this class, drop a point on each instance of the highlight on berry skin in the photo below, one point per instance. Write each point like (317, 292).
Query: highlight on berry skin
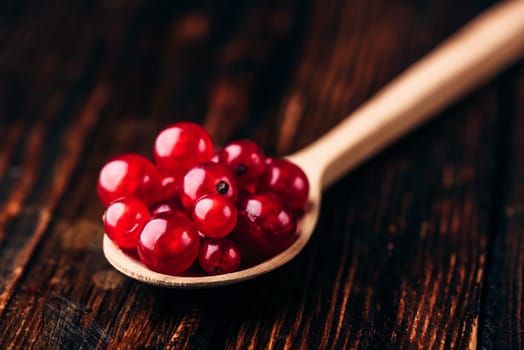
(197, 210)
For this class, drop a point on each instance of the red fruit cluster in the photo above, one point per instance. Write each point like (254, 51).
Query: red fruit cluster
(221, 209)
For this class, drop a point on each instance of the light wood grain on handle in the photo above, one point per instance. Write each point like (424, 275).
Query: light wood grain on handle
(470, 57)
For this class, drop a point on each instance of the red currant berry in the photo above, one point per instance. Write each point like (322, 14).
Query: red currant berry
(166, 207)
(247, 160)
(219, 255)
(288, 181)
(207, 178)
(169, 186)
(214, 215)
(215, 158)
(169, 244)
(128, 175)
(124, 219)
(181, 146)
(265, 225)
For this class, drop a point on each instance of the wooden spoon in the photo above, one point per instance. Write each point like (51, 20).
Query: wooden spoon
(470, 57)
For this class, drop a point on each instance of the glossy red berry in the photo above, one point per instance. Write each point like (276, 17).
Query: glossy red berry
(181, 146)
(288, 181)
(214, 215)
(124, 219)
(246, 160)
(207, 178)
(215, 158)
(265, 225)
(128, 175)
(219, 255)
(169, 186)
(169, 244)
(166, 207)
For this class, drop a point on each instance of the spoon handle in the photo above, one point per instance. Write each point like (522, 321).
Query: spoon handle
(467, 59)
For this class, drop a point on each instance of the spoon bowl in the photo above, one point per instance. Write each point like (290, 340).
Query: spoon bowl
(135, 269)
(473, 55)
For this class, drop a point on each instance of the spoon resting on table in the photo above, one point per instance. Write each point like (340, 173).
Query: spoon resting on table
(469, 58)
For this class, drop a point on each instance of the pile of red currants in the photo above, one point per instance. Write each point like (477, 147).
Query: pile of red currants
(221, 211)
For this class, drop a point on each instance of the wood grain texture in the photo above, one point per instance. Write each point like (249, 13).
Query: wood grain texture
(502, 303)
(415, 249)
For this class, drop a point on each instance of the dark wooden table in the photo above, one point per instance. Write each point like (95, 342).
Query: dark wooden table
(418, 248)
